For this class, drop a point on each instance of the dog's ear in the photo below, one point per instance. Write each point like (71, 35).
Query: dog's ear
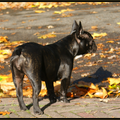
(74, 27)
(80, 28)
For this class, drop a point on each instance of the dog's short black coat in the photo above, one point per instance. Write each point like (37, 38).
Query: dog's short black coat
(49, 63)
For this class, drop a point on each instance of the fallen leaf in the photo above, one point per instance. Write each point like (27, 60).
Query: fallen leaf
(118, 23)
(62, 11)
(75, 68)
(92, 86)
(67, 15)
(110, 51)
(50, 26)
(87, 55)
(113, 80)
(113, 56)
(110, 41)
(85, 74)
(49, 35)
(99, 35)
(70, 94)
(94, 27)
(39, 11)
(93, 12)
(3, 39)
(4, 112)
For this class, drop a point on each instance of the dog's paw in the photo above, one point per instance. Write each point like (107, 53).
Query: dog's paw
(65, 100)
(24, 108)
(53, 100)
(39, 112)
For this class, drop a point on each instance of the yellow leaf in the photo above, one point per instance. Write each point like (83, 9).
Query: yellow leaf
(99, 35)
(91, 96)
(6, 51)
(57, 12)
(110, 41)
(118, 23)
(37, 4)
(49, 35)
(110, 92)
(113, 80)
(99, 93)
(63, 10)
(92, 86)
(50, 5)
(87, 55)
(39, 11)
(104, 92)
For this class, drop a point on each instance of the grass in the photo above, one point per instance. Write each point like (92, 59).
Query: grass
(87, 111)
(28, 111)
(14, 105)
(7, 116)
(41, 105)
(12, 110)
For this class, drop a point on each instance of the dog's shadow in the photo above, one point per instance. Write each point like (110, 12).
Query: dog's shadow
(100, 75)
(40, 99)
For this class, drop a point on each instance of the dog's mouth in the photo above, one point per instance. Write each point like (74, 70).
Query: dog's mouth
(93, 49)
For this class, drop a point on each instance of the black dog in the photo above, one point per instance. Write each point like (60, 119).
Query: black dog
(49, 63)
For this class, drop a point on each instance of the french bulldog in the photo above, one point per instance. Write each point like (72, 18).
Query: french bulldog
(49, 63)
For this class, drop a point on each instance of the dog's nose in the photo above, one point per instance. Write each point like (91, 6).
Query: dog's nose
(94, 48)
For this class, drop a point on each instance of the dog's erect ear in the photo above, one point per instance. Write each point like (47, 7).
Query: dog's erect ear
(74, 27)
(80, 28)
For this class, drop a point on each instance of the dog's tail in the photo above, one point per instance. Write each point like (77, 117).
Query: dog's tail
(16, 53)
(15, 56)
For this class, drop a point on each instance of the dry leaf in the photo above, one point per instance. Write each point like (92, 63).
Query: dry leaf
(113, 56)
(39, 11)
(62, 11)
(94, 12)
(50, 26)
(110, 41)
(99, 35)
(3, 39)
(70, 94)
(110, 51)
(4, 112)
(113, 80)
(49, 35)
(118, 23)
(85, 74)
(92, 86)
(94, 27)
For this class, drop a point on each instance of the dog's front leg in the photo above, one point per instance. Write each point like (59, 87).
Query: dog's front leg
(63, 90)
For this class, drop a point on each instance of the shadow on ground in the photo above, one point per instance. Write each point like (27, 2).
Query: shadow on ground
(97, 77)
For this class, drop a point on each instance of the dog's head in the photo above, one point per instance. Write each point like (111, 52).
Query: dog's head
(84, 39)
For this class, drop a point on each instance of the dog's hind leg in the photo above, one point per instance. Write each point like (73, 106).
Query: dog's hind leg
(18, 82)
(50, 90)
(36, 85)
